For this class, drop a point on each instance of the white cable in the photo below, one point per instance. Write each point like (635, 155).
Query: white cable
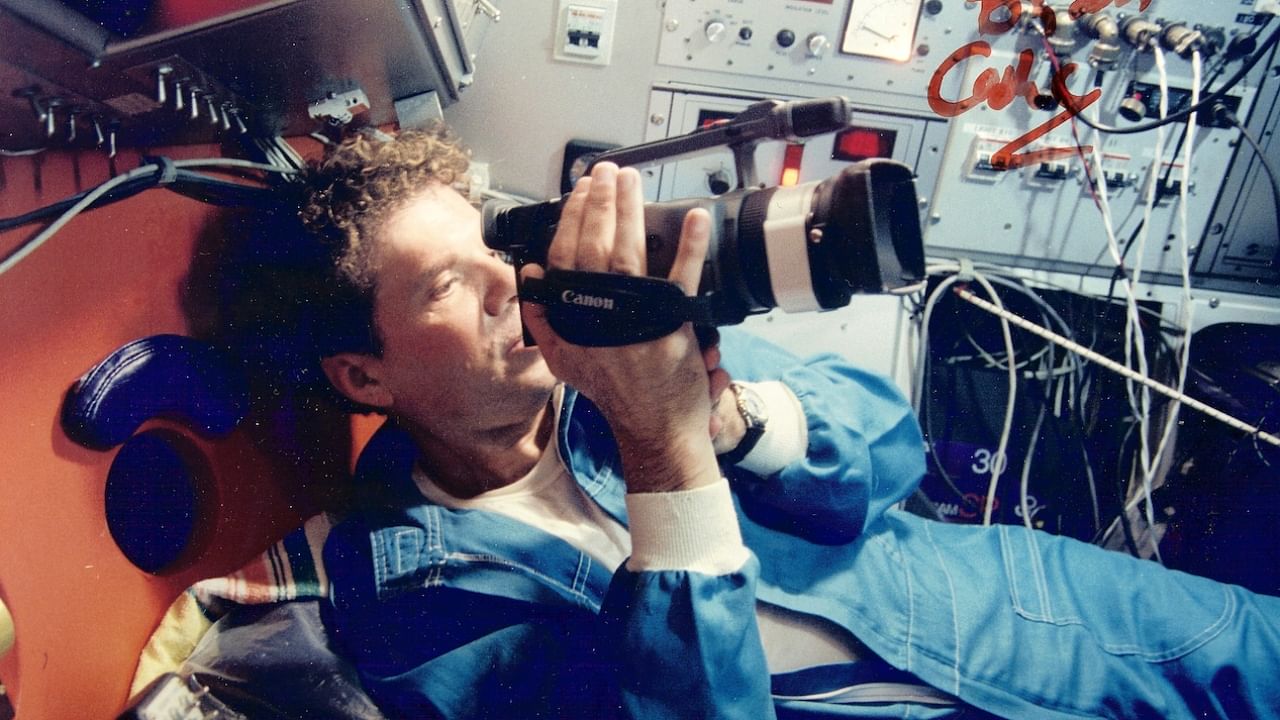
(998, 462)
(1188, 308)
(1132, 319)
(1135, 342)
(1116, 367)
(998, 459)
(917, 384)
(1069, 366)
(1117, 256)
(1024, 495)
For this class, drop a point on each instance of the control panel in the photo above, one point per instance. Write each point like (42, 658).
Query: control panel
(992, 102)
(816, 42)
(1057, 195)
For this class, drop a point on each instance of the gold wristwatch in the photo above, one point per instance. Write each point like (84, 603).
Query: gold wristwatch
(756, 417)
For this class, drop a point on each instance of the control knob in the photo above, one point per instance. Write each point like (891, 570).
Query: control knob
(714, 30)
(817, 45)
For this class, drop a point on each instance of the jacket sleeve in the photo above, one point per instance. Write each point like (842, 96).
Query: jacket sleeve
(865, 451)
(690, 644)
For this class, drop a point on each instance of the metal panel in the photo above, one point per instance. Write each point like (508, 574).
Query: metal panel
(267, 63)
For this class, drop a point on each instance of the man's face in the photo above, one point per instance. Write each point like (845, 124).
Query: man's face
(453, 357)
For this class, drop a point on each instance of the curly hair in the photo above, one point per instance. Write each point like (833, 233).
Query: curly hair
(295, 281)
(364, 180)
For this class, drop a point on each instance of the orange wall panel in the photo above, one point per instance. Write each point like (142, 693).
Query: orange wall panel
(81, 610)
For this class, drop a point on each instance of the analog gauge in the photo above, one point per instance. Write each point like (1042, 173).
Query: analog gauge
(881, 28)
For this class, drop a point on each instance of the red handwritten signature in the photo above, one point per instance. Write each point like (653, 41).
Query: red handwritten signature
(999, 88)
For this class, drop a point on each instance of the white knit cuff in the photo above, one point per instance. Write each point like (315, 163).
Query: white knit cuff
(686, 530)
(786, 436)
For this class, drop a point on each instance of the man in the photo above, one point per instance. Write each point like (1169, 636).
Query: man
(527, 548)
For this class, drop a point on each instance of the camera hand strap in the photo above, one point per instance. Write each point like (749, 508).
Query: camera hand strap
(605, 310)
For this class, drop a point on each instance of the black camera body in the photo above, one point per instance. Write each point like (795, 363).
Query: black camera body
(800, 248)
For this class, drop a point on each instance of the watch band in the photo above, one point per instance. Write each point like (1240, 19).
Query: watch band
(756, 417)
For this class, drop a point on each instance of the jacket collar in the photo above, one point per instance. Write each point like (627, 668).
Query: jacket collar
(417, 542)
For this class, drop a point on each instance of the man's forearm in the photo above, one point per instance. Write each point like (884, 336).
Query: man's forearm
(658, 464)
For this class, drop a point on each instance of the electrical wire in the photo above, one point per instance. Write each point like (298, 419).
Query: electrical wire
(1132, 321)
(1267, 167)
(916, 312)
(34, 243)
(89, 198)
(117, 193)
(1057, 373)
(1188, 307)
(1135, 342)
(1118, 368)
(1218, 69)
(1024, 495)
(186, 182)
(998, 460)
(1206, 103)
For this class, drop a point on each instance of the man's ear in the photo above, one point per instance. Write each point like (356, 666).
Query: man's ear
(357, 376)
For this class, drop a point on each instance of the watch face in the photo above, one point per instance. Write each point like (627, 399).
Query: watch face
(751, 406)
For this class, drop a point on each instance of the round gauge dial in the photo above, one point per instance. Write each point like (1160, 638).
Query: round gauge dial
(881, 28)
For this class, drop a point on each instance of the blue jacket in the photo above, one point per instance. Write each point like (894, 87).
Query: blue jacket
(466, 613)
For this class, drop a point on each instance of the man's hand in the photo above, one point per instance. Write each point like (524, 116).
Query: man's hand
(656, 395)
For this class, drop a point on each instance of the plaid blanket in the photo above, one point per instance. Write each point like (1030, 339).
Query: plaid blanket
(288, 570)
(291, 569)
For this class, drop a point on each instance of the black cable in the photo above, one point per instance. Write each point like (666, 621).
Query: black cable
(1123, 516)
(117, 193)
(1060, 92)
(213, 191)
(1226, 114)
(195, 185)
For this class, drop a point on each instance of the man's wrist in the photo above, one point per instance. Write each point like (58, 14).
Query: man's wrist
(652, 465)
(755, 418)
(786, 437)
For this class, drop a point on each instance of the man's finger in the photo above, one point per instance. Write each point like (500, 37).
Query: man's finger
(695, 236)
(711, 357)
(563, 252)
(628, 243)
(534, 316)
(599, 220)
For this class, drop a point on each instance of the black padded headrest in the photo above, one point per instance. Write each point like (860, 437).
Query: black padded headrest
(153, 498)
(156, 376)
(156, 481)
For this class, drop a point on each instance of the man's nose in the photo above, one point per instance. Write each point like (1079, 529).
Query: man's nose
(500, 286)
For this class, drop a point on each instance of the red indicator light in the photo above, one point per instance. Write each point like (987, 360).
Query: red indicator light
(712, 118)
(859, 143)
(791, 164)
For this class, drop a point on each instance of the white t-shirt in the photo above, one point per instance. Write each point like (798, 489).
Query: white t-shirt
(701, 522)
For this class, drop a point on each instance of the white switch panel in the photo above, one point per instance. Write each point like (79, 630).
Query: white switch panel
(584, 31)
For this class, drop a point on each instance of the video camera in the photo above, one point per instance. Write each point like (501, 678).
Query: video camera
(803, 247)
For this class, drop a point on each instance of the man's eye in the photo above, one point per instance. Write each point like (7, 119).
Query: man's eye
(443, 288)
